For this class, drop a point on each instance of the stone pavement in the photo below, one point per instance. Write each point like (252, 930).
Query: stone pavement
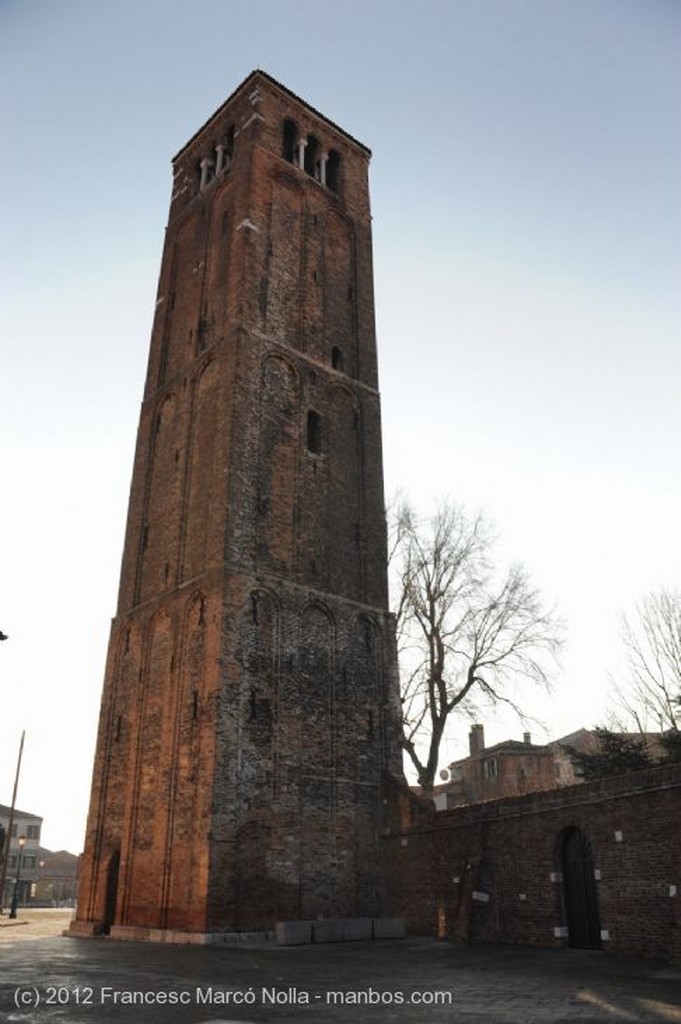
(33, 923)
(98, 981)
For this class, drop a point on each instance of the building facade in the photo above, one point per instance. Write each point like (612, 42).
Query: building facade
(22, 851)
(514, 767)
(56, 883)
(250, 705)
(509, 768)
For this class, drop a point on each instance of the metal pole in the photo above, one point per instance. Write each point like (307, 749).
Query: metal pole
(8, 837)
(17, 880)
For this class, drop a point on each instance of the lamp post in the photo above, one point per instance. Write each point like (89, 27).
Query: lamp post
(15, 894)
(8, 837)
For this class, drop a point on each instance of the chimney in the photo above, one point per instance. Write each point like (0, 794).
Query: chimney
(527, 738)
(476, 740)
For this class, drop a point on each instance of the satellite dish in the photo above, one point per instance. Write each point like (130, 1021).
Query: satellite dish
(444, 775)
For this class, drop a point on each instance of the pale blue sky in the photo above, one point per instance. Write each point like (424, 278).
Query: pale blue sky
(527, 249)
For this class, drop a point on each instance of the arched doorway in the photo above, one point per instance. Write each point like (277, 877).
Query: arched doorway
(111, 892)
(579, 890)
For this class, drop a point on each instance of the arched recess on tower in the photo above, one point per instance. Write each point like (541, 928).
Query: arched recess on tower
(259, 639)
(316, 803)
(360, 726)
(340, 328)
(344, 504)
(188, 799)
(277, 464)
(200, 497)
(115, 798)
(280, 286)
(159, 542)
(359, 743)
(111, 891)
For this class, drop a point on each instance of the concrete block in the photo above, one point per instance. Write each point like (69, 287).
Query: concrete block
(389, 928)
(357, 929)
(328, 930)
(243, 937)
(293, 933)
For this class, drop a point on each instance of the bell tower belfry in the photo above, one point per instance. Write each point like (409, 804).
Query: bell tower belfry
(250, 705)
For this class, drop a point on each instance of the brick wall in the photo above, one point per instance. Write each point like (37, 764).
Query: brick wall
(494, 871)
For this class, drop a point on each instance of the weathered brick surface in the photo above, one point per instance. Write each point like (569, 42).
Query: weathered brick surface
(510, 849)
(250, 699)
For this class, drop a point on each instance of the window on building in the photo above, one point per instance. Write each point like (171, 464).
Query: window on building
(227, 149)
(314, 432)
(333, 171)
(289, 141)
(33, 832)
(336, 358)
(490, 768)
(312, 156)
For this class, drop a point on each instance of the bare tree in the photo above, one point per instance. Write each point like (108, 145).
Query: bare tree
(652, 640)
(465, 632)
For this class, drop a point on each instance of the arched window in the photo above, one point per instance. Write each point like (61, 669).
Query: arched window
(312, 156)
(229, 141)
(223, 151)
(289, 141)
(333, 171)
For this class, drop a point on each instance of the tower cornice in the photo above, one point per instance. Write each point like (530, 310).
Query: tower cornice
(251, 82)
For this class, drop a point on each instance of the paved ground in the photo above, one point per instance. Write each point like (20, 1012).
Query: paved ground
(45, 977)
(41, 923)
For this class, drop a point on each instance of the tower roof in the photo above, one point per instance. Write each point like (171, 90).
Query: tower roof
(251, 80)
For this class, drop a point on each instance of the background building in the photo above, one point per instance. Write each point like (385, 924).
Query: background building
(56, 882)
(504, 769)
(512, 767)
(26, 826)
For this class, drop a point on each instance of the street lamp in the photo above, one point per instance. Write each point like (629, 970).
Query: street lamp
(15, 894)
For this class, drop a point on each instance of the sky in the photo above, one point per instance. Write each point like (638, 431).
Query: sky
(527, 257)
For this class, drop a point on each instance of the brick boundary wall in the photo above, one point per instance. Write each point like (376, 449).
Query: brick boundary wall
(492, 872)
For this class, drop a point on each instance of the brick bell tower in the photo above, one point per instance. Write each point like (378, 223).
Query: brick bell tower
(250, 704)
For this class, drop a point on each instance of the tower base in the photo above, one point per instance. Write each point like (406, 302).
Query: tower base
(287, 933)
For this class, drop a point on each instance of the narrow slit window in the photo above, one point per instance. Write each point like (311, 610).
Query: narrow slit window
(314, 432)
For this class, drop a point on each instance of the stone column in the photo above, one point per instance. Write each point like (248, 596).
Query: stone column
(222, 160)
(206, 166)
(323, 160)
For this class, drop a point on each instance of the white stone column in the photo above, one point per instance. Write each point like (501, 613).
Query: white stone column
(206, 165)
(220, 162)
(322, 167)
(302, 145)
